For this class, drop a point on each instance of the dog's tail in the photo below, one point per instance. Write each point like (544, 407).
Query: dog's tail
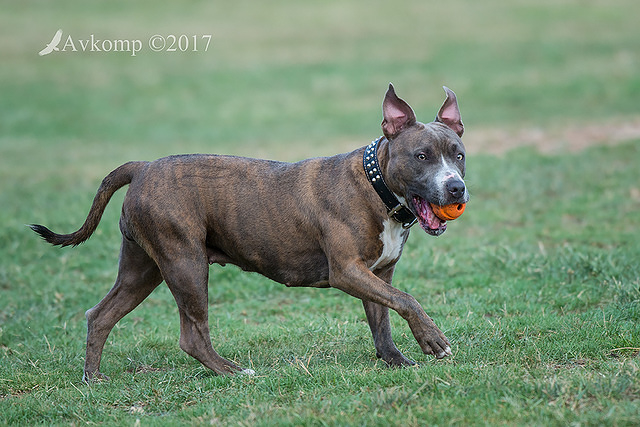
(117, 179)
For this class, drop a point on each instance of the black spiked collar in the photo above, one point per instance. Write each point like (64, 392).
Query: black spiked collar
(372, 170)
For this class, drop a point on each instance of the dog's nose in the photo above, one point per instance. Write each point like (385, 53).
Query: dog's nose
(456, 188)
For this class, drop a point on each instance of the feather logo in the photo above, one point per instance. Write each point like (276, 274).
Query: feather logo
(53, 45)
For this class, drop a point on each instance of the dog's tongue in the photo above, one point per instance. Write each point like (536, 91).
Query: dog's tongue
(428, 220)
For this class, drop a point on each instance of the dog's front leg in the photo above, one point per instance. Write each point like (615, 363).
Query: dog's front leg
(378, 319)
(354, 278)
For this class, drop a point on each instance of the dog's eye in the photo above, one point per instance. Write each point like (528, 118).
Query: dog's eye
(421, 156)
(460, 156)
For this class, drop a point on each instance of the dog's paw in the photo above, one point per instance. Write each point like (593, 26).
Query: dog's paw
(395, 359)
(94, 377)
(445, 353)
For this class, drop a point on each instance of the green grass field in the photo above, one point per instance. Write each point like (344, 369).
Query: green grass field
(537, 285)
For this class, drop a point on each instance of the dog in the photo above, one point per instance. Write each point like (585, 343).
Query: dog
(339, 221)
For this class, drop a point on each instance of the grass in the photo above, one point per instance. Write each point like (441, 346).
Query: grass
(537, 285)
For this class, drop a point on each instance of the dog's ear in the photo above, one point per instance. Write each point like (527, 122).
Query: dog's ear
(396, 113)
(449, 113)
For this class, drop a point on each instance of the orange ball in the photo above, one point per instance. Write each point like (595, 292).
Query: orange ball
(449, 212)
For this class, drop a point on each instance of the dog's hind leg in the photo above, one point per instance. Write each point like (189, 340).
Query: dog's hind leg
(138, 276)
(187, 278)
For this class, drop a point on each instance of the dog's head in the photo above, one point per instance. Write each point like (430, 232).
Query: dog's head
(426, 162)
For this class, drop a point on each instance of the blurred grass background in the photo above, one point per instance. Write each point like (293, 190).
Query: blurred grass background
(284, 75)
(540, 275)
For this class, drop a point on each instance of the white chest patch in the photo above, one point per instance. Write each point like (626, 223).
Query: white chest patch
(392, 237)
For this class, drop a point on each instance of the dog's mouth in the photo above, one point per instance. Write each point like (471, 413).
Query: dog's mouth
(428, 220)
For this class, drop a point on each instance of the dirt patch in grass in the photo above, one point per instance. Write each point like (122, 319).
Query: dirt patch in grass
(573, 137)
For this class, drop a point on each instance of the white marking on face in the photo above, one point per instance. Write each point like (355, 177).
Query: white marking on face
(392, 236)
(446, 173)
